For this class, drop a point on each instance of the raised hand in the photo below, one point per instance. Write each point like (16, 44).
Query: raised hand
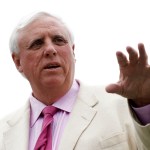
(134, 81)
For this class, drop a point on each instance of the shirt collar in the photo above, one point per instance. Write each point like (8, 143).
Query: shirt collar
(65, 103)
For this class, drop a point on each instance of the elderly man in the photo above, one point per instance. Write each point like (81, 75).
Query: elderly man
(63, 113)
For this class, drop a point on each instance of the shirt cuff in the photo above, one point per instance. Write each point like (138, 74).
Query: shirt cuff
(143, 114)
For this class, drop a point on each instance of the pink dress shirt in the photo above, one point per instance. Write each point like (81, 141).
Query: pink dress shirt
(65, 103)
(143, 114)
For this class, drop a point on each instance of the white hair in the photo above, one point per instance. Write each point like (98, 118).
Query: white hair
(13, 42)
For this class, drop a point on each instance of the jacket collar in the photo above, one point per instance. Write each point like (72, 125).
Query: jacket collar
(80, 118)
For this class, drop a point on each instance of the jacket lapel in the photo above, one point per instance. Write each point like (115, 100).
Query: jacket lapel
(16, 138)
(80, 118)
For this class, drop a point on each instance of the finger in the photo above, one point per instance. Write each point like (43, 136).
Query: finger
(122, 59)
(133, 55)
(143, 58)
(113, 88)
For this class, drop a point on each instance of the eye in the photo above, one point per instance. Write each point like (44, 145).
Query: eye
(36, 44)
(59, 40)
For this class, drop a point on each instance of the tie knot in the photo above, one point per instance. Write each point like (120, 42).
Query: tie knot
(49, 110)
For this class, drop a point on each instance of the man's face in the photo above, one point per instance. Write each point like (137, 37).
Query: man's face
(46, 55)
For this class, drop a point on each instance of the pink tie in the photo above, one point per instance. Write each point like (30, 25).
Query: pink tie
(43, 143)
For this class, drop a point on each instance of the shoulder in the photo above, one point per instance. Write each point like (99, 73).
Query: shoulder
(13, 117)
(106, 100)
(99, 91)
(110, 108)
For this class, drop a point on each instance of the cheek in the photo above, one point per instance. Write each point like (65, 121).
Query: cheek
(68, 58)
(31, 58)
(67, 53)
(28, 63)
(70, 61)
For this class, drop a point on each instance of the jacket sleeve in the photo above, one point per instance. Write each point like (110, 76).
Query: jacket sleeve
(142, 132)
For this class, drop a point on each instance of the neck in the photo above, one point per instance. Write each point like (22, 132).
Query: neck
(48, 96)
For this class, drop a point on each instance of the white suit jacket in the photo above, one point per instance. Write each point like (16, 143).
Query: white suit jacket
(99, 121)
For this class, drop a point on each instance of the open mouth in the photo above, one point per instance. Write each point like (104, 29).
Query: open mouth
(52, 66)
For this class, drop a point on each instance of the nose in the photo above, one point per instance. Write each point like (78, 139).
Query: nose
(50, 50)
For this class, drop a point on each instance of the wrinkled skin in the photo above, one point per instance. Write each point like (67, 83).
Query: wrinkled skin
(46, 58)
(134, 81)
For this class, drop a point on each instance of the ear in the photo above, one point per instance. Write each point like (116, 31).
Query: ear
(16, 59)
(73, 47)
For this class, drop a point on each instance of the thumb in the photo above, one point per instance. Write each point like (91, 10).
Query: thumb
(113, 88)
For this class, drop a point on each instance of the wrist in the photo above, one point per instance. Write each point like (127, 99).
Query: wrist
(139, 102)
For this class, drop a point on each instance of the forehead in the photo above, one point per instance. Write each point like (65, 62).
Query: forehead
(43, 24)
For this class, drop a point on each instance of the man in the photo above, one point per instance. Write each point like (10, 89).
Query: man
(86, 118)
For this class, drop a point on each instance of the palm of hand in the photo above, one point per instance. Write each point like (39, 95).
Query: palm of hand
(134, 82)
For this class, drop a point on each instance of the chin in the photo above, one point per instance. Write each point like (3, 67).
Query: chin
(54, 82)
